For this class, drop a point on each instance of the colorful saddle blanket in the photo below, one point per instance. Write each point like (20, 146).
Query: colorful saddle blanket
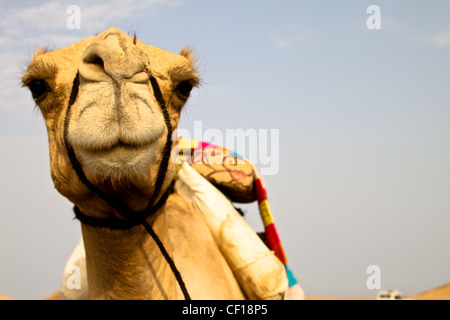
(238, 179)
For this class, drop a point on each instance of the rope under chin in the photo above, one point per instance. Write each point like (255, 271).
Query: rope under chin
(131, 218)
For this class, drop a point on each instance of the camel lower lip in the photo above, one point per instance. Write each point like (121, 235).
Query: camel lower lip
(118, 145)
(118, 155)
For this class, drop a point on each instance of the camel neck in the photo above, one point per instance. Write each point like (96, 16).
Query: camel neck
(127, 264)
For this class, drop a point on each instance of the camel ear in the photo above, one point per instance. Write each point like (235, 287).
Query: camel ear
(188, 54)
(39, 51)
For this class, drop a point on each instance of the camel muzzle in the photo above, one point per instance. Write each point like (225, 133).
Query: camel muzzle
(113, 55)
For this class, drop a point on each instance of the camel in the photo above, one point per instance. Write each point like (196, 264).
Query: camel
(111, 104)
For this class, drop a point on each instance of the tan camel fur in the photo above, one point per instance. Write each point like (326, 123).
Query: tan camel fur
(117, 131)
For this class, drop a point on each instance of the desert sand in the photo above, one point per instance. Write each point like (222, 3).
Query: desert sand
(439, 293)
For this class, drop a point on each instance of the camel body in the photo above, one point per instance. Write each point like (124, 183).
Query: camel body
(235, 247)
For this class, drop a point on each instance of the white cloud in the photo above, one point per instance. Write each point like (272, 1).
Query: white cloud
(395, 26)
(50, 17)
(288, 38)
(439, 40)
(279, 42)
(45, 24)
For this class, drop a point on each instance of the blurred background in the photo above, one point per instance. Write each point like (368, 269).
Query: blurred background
(360, 100)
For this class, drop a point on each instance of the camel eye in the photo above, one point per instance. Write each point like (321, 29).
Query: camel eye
(38, 88)
(183, 90)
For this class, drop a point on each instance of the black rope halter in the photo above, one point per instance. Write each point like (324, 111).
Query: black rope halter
(130, 218)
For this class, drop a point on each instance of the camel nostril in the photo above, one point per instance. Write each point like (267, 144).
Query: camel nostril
(92, 67)
(94, 59)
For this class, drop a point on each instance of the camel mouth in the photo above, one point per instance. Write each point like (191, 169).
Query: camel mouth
(115, 131)
(120, 159)
(114, 146)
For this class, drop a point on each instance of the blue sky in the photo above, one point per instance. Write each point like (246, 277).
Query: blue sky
(363, 116)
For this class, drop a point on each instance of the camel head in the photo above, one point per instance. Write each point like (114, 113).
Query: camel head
(103, 99)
